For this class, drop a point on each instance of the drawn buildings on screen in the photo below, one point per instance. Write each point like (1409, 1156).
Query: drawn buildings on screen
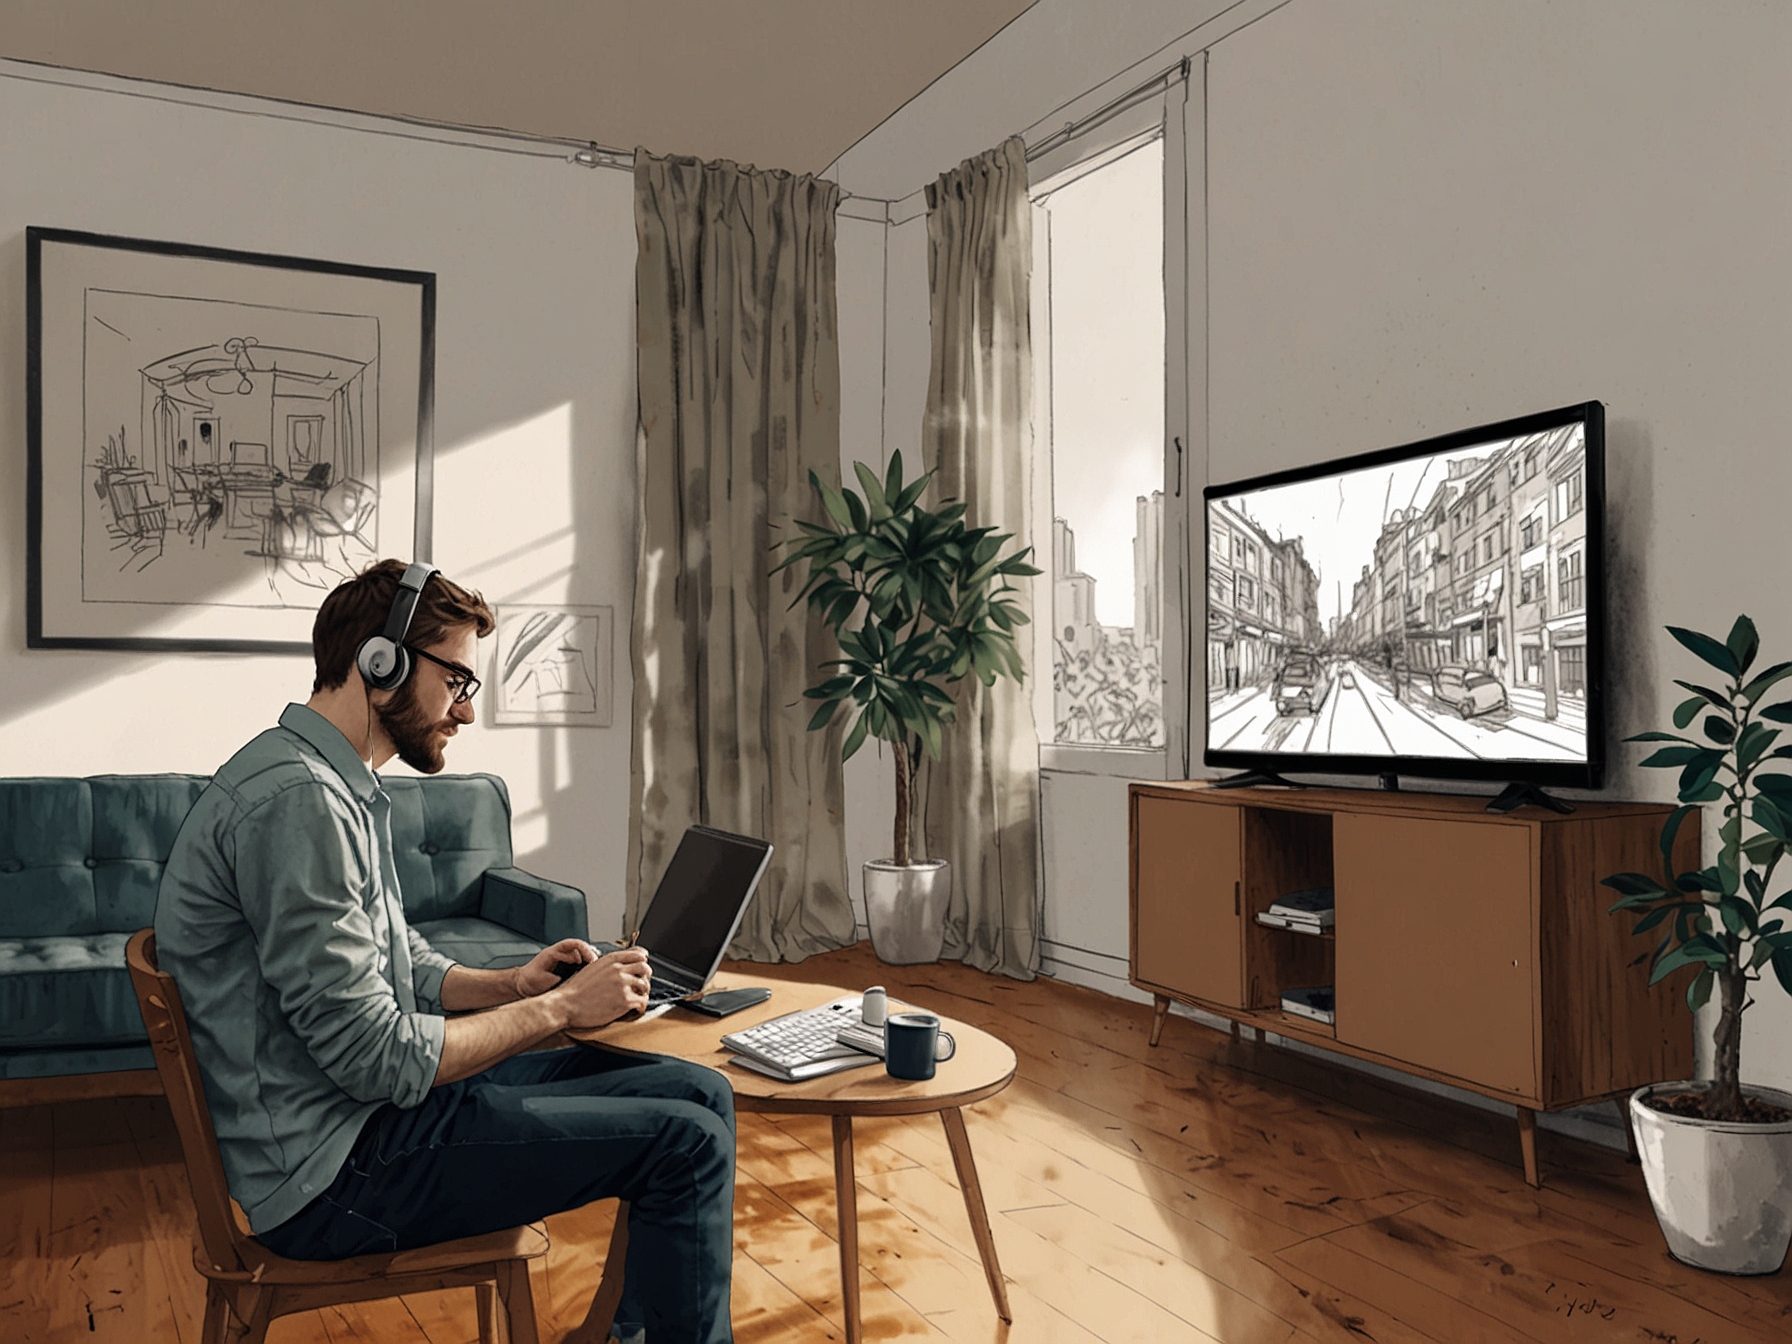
(1262, 600)
(1488, 575)
(1107, 680)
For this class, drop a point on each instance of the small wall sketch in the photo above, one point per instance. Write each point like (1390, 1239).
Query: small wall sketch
(218, 439)
(552, 665)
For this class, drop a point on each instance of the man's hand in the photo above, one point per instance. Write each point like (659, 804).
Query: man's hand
(607, 988)
(537, 975)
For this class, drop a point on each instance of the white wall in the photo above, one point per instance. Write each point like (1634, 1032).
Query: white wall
(1423, 217)
(535, 398)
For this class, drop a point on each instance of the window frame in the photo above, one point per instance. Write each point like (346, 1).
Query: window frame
(1162, 115)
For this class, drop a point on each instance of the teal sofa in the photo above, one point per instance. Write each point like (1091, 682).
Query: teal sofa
(80, 861)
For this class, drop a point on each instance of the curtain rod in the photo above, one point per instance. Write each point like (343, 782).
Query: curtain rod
(1113, 107)
(586, 153)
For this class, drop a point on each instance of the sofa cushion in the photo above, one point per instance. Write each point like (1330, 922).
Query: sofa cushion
(46, 870)
(446, 831)
(67, 991)
(477, 942)
(135, 820)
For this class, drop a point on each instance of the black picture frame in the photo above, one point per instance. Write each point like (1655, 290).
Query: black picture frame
(215, 438)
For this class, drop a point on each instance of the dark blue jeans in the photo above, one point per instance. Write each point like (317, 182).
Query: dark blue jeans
(538, 1134)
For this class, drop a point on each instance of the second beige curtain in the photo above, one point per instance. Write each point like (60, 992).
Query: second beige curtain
(739, 383)
(980, 801)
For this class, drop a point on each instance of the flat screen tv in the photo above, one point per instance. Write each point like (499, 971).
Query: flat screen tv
(1434, 609)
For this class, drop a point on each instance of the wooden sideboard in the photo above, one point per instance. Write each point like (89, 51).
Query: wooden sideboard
(1470, 948)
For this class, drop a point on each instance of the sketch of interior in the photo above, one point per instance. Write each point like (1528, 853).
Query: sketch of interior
(259, 447)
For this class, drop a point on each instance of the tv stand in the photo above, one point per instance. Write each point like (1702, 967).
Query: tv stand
(1468, 948)
(1251, 778)
(1515, 796)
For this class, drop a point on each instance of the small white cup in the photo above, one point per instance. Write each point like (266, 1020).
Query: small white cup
(873, 1006)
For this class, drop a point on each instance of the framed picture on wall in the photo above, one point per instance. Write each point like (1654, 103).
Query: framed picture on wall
(552, 665)
(216, 439)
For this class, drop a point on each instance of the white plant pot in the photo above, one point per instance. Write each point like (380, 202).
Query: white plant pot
(1722, 1190)
(905, 905)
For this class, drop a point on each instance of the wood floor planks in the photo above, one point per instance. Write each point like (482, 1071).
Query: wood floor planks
(1207, 1189)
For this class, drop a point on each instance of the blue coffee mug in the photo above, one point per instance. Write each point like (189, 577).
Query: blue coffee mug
(913, 1043)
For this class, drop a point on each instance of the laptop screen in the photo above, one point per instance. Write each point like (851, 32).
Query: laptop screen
(700, 900)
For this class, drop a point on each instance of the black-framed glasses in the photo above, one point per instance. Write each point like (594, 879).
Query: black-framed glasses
(462, 684)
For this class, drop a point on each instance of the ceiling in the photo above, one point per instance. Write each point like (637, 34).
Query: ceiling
(777, 83)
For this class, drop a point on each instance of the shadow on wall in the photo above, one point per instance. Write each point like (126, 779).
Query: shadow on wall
(1631, 691)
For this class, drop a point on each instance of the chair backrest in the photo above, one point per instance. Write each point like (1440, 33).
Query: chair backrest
(159, 1000)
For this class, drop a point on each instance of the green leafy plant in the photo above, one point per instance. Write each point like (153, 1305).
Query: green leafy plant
(1721, 919)
(917, 601)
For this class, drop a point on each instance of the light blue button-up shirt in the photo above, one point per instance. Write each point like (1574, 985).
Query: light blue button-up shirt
(310, 1000)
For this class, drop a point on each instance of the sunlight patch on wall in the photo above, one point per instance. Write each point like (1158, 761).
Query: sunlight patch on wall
(504, 505)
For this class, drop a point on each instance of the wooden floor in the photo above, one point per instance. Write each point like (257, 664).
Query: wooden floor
(1210, 1189)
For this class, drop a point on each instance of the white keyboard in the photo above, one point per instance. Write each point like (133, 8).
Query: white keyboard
(803, 1043)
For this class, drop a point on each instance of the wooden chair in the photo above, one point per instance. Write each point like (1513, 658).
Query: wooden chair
(247, 1285)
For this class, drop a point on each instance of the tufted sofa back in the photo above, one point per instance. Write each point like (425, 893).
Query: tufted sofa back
(84, 856)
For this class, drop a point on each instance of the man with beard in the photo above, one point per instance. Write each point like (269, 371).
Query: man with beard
(370, 1095)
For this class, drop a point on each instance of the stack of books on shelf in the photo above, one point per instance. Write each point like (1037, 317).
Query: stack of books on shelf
(1307, 911)
(1317, 1003)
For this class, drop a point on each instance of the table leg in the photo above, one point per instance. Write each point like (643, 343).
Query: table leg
(1527, 1143)
(846, 1198)
(1160, 1009)
(960, 1143)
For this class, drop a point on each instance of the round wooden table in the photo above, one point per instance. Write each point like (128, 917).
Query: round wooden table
(981, 1067)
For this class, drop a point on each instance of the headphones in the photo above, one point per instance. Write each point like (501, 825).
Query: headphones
(382, 660)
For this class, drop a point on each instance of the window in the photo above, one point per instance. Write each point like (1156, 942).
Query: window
(1568, 581)
(1571, 669)
(1531, 585)
(1528, 530)
(1275, 572)
(1221, 590)
(1247, 592)
(1512, 476)
(1530, 463)
(1568, 496)
(1486, 547)
(1102, 254)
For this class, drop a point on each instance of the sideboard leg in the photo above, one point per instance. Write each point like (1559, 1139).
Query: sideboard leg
(1527, 1142)
(1160, 1009)
(1623, 1105)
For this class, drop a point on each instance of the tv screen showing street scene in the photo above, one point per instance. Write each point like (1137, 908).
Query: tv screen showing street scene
(1434, 606)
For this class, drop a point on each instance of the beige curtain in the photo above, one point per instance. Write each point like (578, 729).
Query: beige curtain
(739, 385)
(980, 800)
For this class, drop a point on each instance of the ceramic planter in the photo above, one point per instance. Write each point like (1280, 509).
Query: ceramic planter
(905, 905)
(1722, 1190)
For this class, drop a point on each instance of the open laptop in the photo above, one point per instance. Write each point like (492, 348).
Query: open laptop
(696, 909)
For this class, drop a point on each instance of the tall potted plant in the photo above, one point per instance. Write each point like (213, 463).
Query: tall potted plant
(1717, 1155)
(917, 601)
